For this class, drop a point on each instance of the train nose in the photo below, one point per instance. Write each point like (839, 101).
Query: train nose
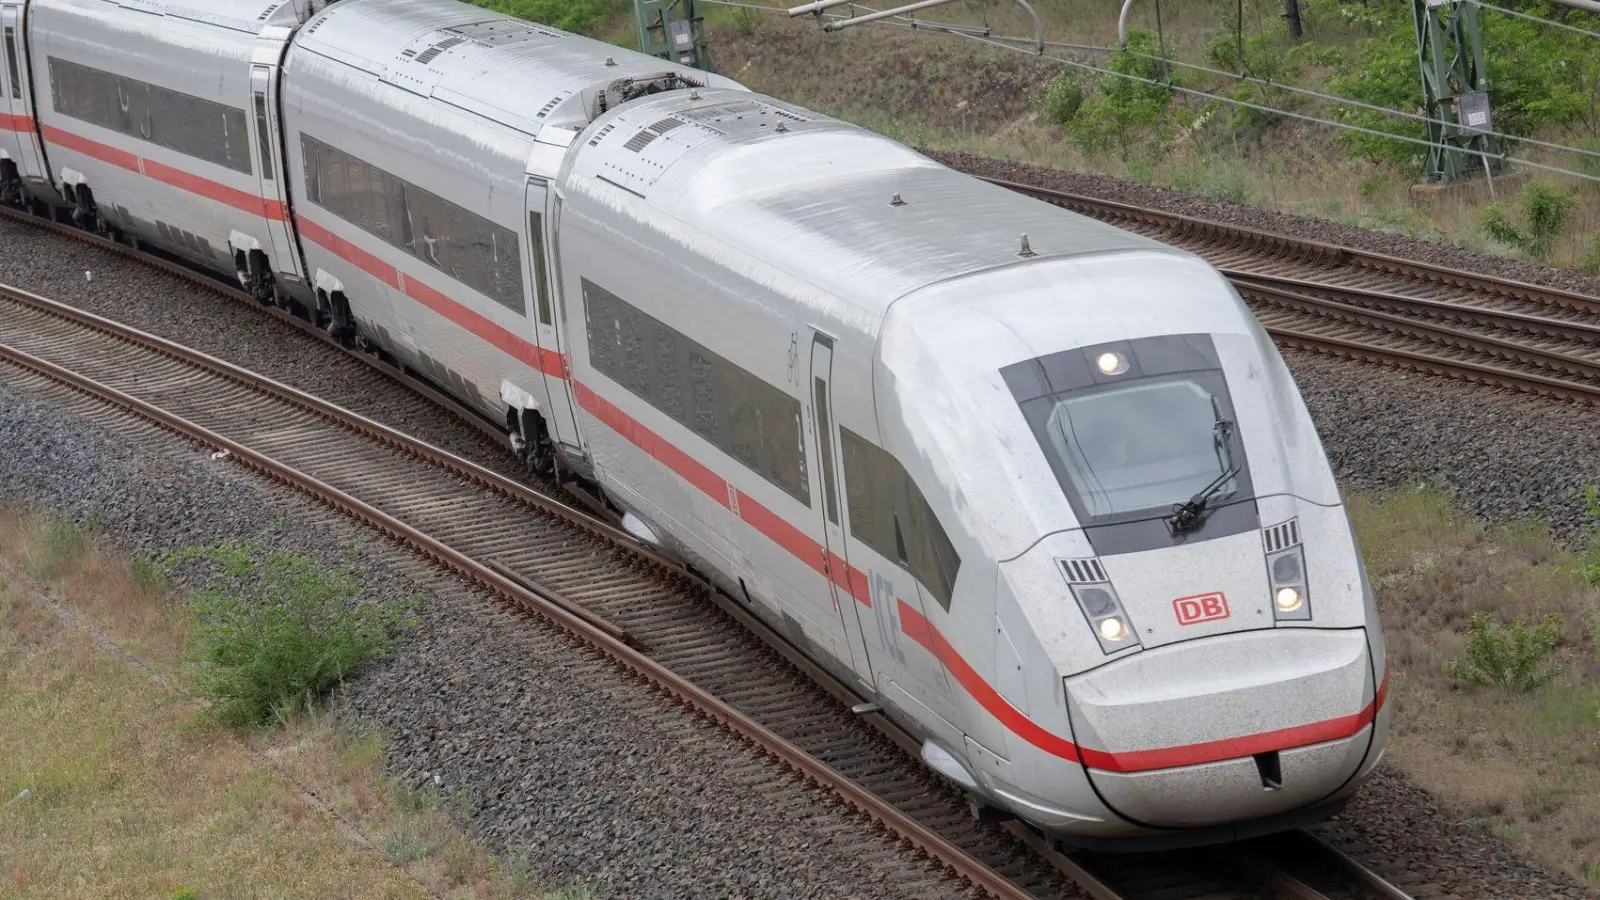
(1226, 728)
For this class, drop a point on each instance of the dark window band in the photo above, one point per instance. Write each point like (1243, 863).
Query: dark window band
(743, 416)
(193, 126)
(467, 247)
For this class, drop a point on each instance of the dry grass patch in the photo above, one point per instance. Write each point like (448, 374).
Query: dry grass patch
(1526, 762)
(112, 786)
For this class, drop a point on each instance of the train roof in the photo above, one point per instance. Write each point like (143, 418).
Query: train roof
(852, 212)
(524, 75)
(237, 15)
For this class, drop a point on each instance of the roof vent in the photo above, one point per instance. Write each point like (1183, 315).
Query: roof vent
(1026, 251)
(551, 105)
(1282, 536)
(600, 136)
(432, 53)
(1082, 571)
(641, 140)
(896, 201)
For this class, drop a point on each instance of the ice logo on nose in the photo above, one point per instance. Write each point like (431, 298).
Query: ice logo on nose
(1201, 608)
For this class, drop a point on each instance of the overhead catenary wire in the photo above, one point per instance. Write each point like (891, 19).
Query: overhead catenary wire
(1007, 42)
(1539, 19)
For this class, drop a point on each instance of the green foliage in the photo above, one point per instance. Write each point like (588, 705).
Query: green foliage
(274, 631)
(184, 893)
(1590, 495)
(1062, 100)
(580, 16)
(1545, 210)
(1511, 659)
(1590, 264)
(1125, 113)
(1539, 77)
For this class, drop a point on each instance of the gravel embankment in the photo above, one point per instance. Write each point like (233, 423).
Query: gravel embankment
(560, 761)
(1398, 821)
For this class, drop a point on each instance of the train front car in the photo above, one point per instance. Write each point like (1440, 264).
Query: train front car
(1185, 648)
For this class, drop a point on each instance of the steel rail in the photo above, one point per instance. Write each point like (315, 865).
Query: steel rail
(1369, 879)
(1375, 320)
(534, 599)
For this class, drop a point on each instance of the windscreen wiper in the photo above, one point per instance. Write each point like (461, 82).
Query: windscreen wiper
(1188, 515)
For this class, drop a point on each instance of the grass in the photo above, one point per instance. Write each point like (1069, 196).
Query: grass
(1527, 764)
(112, 785)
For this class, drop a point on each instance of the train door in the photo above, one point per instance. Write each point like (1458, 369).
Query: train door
(835, 557)
(18, 136)
(269, 150)
(548, 317)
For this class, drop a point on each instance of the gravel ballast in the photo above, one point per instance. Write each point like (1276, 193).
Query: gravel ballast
(562, 762)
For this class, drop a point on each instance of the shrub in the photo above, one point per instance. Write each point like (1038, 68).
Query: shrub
(1132, 112)
(274, 632)
(1514, 659)
(1545, 211)
(1062, 100)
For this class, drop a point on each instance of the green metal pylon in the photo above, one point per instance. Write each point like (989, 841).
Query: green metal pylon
(673, 29)
(1455, 89)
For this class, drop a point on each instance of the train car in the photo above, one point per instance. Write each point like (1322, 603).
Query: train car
(421, 137)
(155, 120)
(1041, 489)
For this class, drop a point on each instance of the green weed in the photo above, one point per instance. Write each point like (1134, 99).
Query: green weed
(1511, 659)
(274, 632)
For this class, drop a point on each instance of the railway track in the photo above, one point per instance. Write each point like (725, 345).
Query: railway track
(700, 649)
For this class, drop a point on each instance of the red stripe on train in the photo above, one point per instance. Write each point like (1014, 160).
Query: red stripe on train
(9, 122)
(267, 208)
(527, 353)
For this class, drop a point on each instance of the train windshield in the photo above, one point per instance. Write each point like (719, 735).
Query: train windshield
(1140, 446)
(1134, 430)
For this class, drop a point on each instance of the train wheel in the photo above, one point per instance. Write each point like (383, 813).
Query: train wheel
(85, 214)
(11, 192)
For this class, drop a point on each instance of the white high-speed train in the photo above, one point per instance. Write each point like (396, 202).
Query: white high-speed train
(1039, 488)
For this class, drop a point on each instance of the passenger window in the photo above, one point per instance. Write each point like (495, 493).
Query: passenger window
(541, 288)
(13, 71)
(889, 514)
(735, 410)
(263, 136)
(830, 500)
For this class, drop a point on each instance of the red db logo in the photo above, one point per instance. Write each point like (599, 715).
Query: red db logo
(1201, 608)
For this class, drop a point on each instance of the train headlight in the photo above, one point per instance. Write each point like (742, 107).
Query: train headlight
(1113, 629)
(1098, 601)
(1111, 363)
(1286, 571)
